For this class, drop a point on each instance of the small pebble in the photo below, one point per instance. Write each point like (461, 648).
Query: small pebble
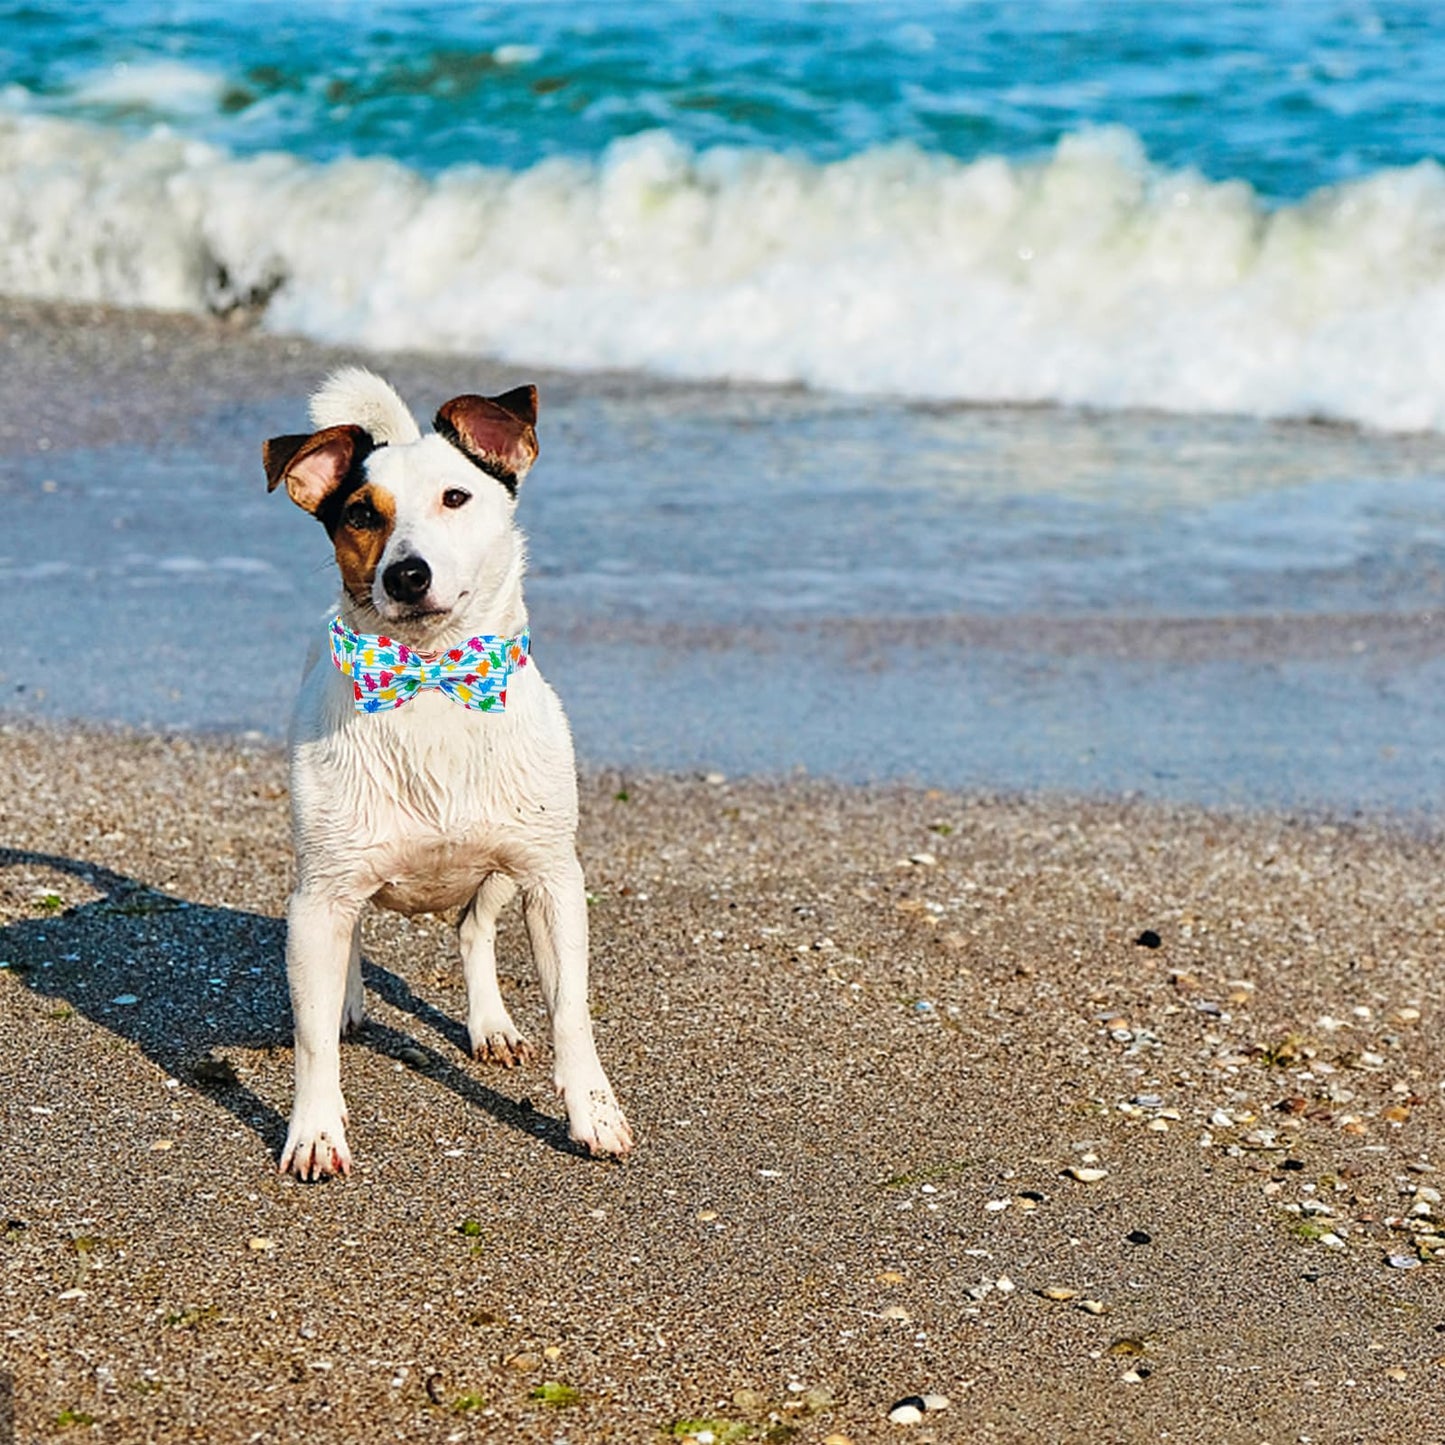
(1085, 1175)
(1148, 939)
(211, 1069)
(71, 1294)
(898, 1313)
(1091, 1306)
(837, 1438)
(936, 1402)
(907, 1412)
(524, 1362)
(1139, 1236)
(1058, 1292)
(923, 860)
(1403, 1261)
(125, 998)
(414, 1058)
(259, 1242)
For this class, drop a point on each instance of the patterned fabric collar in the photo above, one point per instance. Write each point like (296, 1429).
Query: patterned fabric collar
(385, 674)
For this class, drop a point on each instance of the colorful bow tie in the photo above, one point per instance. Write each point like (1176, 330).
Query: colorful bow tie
(385, 674)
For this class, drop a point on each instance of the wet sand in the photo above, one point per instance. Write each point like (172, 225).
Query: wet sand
(761, 580)
(858, 1083)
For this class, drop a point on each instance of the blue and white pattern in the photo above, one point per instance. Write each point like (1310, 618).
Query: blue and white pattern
(385, 674)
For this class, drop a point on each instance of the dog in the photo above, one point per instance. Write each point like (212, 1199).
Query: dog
(431, 766)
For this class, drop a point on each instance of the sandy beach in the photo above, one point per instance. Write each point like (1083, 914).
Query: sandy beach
(864, 1035)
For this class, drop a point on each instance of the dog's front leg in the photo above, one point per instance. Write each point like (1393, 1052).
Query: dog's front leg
(353, 1010)
(319, 938)
(490, 1028)
(555, 906)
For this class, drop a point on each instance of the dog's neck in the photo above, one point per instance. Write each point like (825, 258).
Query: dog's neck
(493, 607)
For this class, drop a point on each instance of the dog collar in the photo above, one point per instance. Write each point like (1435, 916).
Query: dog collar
(385, 674)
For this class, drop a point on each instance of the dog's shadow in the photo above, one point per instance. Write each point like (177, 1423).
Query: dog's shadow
(186, 982)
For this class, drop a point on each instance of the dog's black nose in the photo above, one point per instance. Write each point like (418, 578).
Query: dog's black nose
(407, 580)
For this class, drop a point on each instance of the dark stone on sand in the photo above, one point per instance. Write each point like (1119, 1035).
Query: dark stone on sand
(214, 1072)
(1149, 939)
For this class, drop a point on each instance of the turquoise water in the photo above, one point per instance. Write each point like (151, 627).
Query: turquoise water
(1285, 97)
(1221, 208)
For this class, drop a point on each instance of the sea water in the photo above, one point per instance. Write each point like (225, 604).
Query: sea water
(1219, 207)
(1000, 395)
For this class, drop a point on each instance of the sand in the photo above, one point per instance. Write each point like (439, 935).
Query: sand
(857, 1082)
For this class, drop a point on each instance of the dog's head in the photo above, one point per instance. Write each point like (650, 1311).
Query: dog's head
(420, 523)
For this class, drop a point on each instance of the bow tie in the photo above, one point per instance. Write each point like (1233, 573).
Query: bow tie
(385, 674)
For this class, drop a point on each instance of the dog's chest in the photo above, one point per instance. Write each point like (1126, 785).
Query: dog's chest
(420, 804)
(447, 772)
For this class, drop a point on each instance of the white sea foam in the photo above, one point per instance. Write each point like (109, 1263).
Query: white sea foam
(1090, 277)
(163, 87)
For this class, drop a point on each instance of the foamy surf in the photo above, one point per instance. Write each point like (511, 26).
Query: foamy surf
(1090, 277)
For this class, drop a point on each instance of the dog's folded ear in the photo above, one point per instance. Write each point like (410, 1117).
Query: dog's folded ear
(315, 465)
(498, 433)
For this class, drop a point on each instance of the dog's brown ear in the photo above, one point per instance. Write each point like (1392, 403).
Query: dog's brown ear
(521, 401)
(498, 433)
(313, 466)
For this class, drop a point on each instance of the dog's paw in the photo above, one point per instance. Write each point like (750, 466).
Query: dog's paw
(316, 1145)
(503, 1045)
(595, 1119)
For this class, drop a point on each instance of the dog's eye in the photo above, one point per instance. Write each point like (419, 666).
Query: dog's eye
(455, 497)
(362, 516)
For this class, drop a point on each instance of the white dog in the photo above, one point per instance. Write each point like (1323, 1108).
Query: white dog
(431, 766)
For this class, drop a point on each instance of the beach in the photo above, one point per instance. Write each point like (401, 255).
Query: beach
(863, 1028)
(863, 1035)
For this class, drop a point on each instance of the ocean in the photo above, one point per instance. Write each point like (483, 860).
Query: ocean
(996, 395)
(1208, 208)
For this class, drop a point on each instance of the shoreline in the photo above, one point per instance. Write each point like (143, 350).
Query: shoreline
(922, 1051)
(218, 350)
(1422, 824)
(1296, 681)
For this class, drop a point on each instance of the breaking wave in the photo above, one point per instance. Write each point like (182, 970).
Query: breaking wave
(1089, 277)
